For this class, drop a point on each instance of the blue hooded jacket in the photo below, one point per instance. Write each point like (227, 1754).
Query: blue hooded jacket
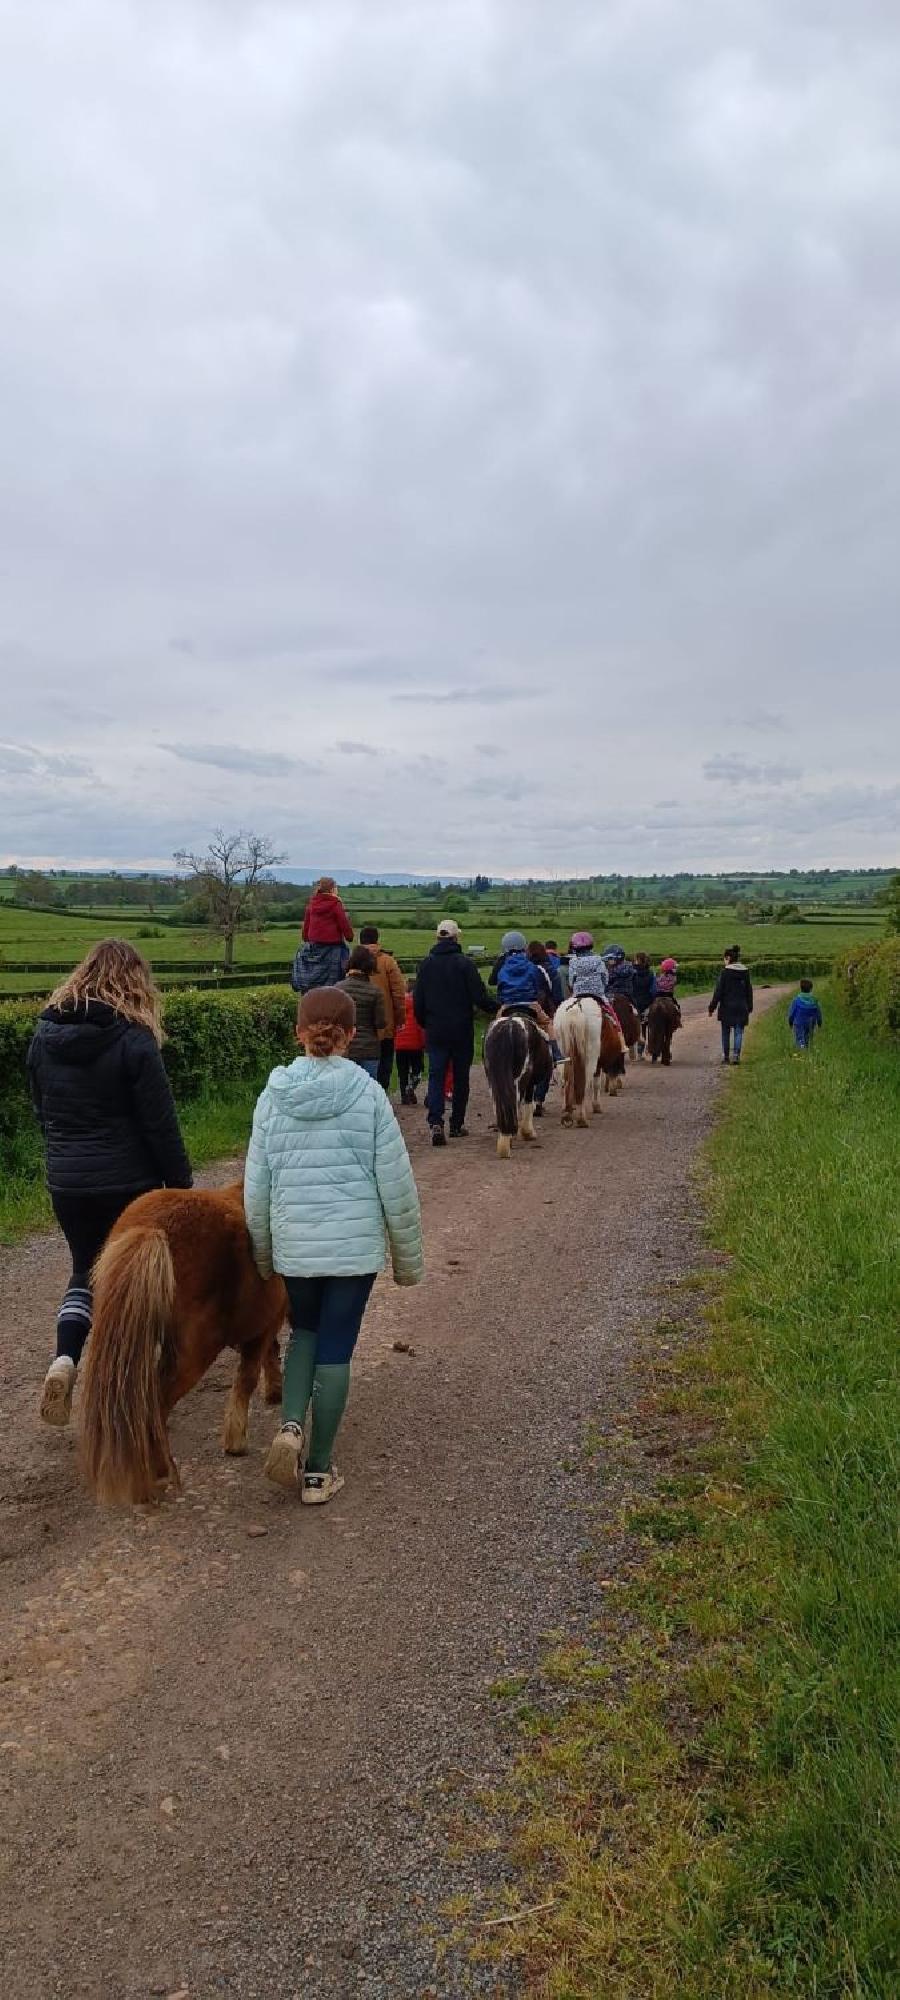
(805, 1012)
(519, 981)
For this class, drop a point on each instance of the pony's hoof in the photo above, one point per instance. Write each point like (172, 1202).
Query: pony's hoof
(273, 1393)
(235, 1447)
(567, 1118)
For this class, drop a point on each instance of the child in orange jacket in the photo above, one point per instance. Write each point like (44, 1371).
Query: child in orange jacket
(409, 1048)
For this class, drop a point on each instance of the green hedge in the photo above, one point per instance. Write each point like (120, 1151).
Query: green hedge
(211, 1038)
(867, 980)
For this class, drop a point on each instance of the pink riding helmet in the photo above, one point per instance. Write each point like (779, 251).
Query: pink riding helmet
(581, 941)
(669, 965)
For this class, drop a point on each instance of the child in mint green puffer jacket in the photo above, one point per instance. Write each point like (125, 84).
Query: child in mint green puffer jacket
(327, 1176)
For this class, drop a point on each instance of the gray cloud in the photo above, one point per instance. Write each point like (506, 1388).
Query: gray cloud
(735, 770)
(357, 361)
(232, 757)
(465, 697)
(23, 761)
(349, 748)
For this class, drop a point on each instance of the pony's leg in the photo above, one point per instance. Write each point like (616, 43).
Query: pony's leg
(237, 1408)
(607, 1085)
(271, 1369)
(596, 1089)
(504, 1146)
(526, 1120)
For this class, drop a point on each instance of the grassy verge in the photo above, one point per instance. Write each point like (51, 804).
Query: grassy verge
(214, 1125)
(705, 1803)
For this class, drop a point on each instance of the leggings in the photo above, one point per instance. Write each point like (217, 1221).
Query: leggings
(332, 1309)
(85, 1221)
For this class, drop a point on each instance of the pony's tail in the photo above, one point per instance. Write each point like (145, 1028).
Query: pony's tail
(125, 1446)
(504, 1050)
(579, 1064)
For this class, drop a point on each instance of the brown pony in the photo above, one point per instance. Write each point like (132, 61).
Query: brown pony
(629, 1021)
(611, 1065)
(663, 1021)
(174, 1284)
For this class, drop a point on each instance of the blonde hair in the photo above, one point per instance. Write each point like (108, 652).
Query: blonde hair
(117, 974)
(326, 1018)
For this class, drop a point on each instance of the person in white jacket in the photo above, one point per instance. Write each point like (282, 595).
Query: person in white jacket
(327, 1175)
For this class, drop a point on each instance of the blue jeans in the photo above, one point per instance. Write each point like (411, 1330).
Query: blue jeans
(439, 1055)
(803, 1034)
(738, 1032)
(332, 1309)
(370, 1066)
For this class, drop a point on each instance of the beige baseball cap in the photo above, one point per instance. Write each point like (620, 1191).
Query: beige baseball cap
(448, 928)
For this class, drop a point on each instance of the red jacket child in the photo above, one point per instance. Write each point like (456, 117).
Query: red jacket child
(325, 920)
(409, 1035)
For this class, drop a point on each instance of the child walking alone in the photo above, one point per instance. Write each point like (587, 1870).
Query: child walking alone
(805, 1016)
(327, 1173)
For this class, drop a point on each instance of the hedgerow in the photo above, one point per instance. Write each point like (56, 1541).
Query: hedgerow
(867, 981)
(212, 1039)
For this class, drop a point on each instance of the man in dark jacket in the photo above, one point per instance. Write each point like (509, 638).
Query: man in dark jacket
(448, 993)
(733, 999)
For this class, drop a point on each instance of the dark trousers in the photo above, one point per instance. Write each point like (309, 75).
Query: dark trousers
(460, 1054)
(332, 1309)
(386, 1063)
(729, 1029)
(410, 1065)
(85, 1221)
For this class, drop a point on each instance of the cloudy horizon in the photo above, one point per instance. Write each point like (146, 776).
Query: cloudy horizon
(451, 437)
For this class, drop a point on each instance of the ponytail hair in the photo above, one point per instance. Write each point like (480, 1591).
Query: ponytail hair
(326, 1018)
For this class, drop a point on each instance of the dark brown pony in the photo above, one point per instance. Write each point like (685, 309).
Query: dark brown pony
(612, 1052)
(629, 1021)
(174, 1284)
(663, 1021)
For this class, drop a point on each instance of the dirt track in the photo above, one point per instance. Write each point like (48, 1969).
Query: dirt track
(233, 1730)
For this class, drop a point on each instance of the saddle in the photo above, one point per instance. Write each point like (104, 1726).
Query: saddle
(527, 1010)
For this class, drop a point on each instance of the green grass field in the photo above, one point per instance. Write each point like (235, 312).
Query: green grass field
(711, 1809)
(29, 937)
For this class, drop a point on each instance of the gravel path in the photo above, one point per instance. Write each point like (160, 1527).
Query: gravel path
(234, 1734)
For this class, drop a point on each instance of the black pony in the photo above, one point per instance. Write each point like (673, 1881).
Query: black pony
(663, 1020)
(517, 1061)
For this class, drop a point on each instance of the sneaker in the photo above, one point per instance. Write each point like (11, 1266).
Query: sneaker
(725, 1061)
(320, 1487)
(438, 1135)
(56, 1398)
(284, 1463)
(459, 1131)
(734, 1061)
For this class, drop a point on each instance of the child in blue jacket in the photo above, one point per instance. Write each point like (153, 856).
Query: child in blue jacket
(805, 1016)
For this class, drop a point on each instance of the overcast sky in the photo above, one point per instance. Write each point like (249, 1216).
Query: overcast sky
(451, 434)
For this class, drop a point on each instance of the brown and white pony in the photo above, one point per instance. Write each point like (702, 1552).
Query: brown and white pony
(578, 1027)
(663, 1021)
(629, 1021)
(174, 1284)
(517, 1060)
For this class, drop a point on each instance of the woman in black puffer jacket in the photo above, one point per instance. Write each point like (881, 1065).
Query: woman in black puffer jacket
(110, 1127)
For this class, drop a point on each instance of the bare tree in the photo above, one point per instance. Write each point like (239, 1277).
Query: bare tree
(230, 878)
